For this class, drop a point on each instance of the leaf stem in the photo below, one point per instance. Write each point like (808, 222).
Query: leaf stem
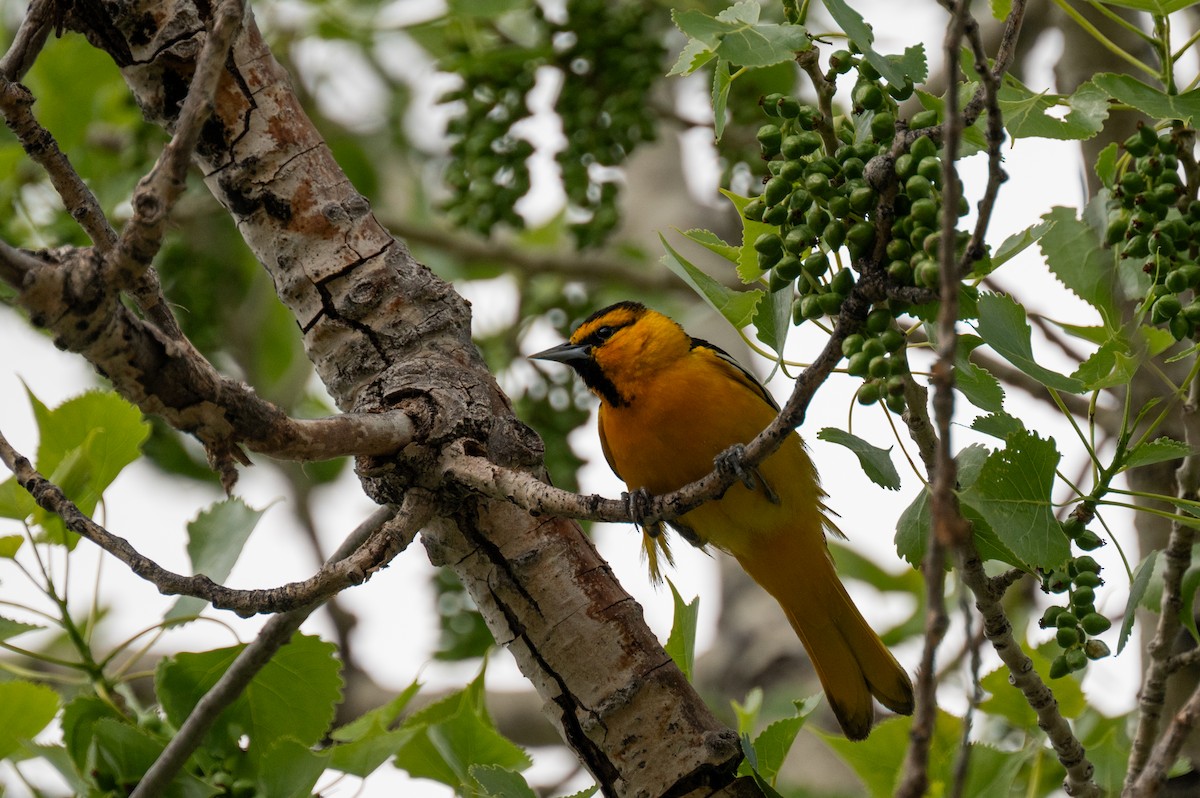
(1106, 42)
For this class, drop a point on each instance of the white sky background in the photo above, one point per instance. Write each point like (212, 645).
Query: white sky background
(398, 624)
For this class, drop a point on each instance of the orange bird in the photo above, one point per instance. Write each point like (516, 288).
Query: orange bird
(670, 405)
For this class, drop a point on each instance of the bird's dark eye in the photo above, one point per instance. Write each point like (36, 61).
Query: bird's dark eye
(603, 334)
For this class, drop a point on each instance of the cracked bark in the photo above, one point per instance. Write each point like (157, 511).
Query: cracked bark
(385, 333)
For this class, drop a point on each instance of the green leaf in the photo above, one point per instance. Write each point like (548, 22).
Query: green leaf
(25, 709)
(747, 713)
(289, 768)
(878, 761)
(772, 746)
(736, 306)
(1025, 112)
(681, 644)
(84, 444)
(1001, 8)
(976, 383)
(10, 545)
(895, 70)
(735, 35)
(498, 782)
(79, 719)
(1141, 579)
(694, 55)
(365, 743)
(722, 82)
(1073, 254)
(1003, 325)
(1112, 365)
(1015, 244)
(1163, 7)
(15, 501)
(876, 463)
(773, 320)
(10, 628)
(1159, 450)
(1152, 102)
(1013, 495)
(1187, 589)
(454, 734)
(747, 258)
(912, 529)
(714, 243)
(998, 425)
(1106, 164)
(215, 541)
(294, 695)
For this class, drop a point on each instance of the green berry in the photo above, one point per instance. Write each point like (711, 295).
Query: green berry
(1050, 616)
(1086, 563)
(923, 148)
(892, 339)
(776, 190)
(862, 199)
(1066, 619)
(868, 96)
(834, 234)
(769, 243)
(879, 367)
(842, 283)
(839, 206)
(1095, 624)
(930, 168)
(874, 347)
(754, 210)
(770, 104)
(868, 393)
(918, 187)
(896, 383)
(788, 268)
(818, 184)
(789, 107)
(878, 320)
(1166, 307)
(1066, 636)
(841, 61)
(923, 119)
(769, 138)
(1059, 667)
(1096, 649)
(816, 264)
(1089, 541)
(799, 239)
(1076, 659)
(1083, 596)
(883, 126)
(852, 344)
(810, 307)
(895, 403)
(831, 302)
(925, 211)
(858, 364)
(1088, 579)
(859, 238)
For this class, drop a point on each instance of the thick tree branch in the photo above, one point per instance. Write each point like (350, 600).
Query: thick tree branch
(400, 525)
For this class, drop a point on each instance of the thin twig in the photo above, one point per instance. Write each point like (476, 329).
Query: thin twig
(328, 580)
(128, 265)
(28, 41)
(401, 525)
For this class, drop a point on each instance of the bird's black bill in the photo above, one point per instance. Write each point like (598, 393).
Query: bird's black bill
(565, 353)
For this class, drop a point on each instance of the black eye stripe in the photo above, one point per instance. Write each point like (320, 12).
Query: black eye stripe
(602, 334)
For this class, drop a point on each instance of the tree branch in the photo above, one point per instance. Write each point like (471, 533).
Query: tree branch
(353, 569)
(400, 525)
(28, 42)
(1139, 777)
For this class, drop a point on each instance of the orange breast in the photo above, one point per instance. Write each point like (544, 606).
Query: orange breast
(673, 428)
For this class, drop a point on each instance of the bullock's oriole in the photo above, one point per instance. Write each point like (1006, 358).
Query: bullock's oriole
(669, 405)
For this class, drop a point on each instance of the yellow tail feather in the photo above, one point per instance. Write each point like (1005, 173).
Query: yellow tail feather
(851, 661)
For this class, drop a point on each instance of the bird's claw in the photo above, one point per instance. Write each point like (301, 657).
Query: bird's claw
(638, 503)
(732, 463)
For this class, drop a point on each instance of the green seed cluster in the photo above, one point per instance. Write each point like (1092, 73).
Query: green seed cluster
(1076, 622)
(613, 56)
(488, 170)
(820, 202)
(1146, 222)
(608, 55)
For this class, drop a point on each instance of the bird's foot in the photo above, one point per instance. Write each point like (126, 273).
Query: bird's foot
(732, 463)
(638, 503)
